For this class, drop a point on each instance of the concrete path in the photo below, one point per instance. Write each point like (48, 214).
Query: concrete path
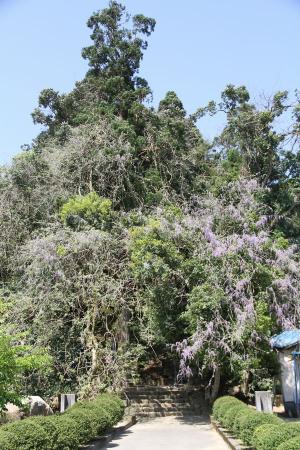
(169, 433)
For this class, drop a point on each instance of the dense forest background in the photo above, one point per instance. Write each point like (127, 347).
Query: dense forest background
(130, 246)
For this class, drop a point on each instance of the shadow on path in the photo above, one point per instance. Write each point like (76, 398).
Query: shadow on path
(118, 437)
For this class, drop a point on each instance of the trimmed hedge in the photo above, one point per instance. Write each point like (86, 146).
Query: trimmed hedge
(113, 405)
(86, 422)
(24, 435)
(243, 421)
(48, 426)
(222, 404)
(99, 417)
(106, 410)
(231, 414)
(249, 423)
(239, 418)
(291, 444)
(69, 434)
(78, 425)
(269, 437)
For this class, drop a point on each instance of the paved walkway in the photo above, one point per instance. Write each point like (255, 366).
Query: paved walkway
(169, 433)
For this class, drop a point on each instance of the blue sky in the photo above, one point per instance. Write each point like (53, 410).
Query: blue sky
(198, 47)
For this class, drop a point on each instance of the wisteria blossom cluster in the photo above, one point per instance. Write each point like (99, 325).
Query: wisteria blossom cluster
(249, 284)
(211, 273)
(71, 290)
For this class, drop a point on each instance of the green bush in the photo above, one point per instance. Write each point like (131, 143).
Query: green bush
(5, 442)
(250, 422)
(48, 426)
(269, 437)
(79, 424)
(108, 408)
(87, 422)
(291, 444)
(69, 435)
(103, 418)
(230, 415)
(223, 409)
(239, 418)
(222, 404)
(24, 435)
(14, 360)
(90, 209)
(113, 405)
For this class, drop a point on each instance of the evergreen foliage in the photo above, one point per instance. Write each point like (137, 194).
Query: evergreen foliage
(291, 444)
(15, 360)
(128, 241)
(80, 424)
(268, 437)
(24, 435)
(249, 423)
(259, 430)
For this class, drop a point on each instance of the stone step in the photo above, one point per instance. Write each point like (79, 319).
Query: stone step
(164, 408)
(154, 395)
(164, 414)
(160, 389)
(158, 401)
(165, 400)
(161, 392)
(185, 411)
(166, 404)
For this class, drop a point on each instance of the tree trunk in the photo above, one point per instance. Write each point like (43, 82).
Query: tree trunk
(211, 392)
(122, 336)
(245, 383)
(216, 385)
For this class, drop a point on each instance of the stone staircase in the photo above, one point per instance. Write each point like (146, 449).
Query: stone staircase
(147, 402)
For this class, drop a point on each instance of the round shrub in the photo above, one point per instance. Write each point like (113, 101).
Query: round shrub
(24, 435)
(103, 418)
(230, 415)
(269, 437)
(112, 405)
(291, 444)
(48, 426)
(222, 404)
(223, 410)
(104, 421)
(68, 437)
(245, 412)
(107, 408)
(293, 427)
(87, 423)
(77, 426)
(249, 423)
(5, 441)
